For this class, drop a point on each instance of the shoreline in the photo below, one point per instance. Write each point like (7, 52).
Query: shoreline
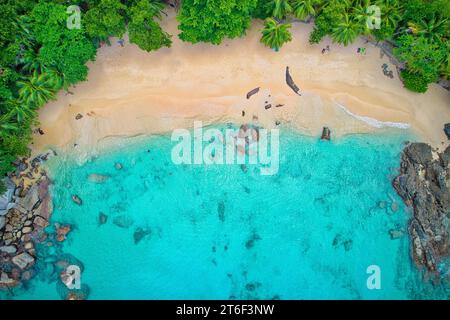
(130, 92)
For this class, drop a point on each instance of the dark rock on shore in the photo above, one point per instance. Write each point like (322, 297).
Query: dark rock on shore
(447, 130)
(290, 82)
(423, 183)
(326, 134)
(252, 92)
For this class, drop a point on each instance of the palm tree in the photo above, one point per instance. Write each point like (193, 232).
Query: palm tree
(17, 112)
(345, 32)
(390, 13)
(56, 79)
(304, 8)
(31, 62)
(36, 90)
(7, 127)
(434, 28)
(156, 8)
(274, 34)
(280, 8)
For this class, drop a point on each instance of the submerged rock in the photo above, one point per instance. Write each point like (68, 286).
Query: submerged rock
(251, 242)
(396, 234)
(221, 211)
(140, 234)
(382, 204)
(424, 184)
(102, 218)
(394, 207)
(97, 178)
(62, 231)
(348, 244)
(123, 221)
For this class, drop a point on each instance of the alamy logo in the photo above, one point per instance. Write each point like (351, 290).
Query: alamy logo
(74, 20)
(374, 280)
(71, 277)
(374, 19)
(211, 146)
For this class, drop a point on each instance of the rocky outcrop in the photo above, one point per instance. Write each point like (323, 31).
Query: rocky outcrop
(22, 221)
(424, 183)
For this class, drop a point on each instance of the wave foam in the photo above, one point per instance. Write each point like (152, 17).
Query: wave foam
(374, 122)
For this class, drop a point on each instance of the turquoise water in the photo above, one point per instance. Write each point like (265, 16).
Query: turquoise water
(217, 232)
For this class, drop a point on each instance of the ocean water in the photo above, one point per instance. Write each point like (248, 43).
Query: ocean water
(217, 232)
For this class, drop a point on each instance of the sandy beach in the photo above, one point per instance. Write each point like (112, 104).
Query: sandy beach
(130, 92)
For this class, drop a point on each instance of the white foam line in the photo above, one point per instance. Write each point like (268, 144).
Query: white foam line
(374, 122)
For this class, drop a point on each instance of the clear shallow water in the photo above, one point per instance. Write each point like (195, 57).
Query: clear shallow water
(308, 232)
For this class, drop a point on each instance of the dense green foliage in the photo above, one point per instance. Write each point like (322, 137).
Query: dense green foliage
(40, 55)
(143, 29)
(414, 82)
(212, 21)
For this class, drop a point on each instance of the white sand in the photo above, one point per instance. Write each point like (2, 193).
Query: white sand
(132, 92)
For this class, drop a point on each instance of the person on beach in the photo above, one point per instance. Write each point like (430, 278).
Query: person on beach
(121, 42)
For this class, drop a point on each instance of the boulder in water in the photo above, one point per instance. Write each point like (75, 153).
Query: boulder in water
(447, 130)
(62, 231)
(102, 218)
(77, 200)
